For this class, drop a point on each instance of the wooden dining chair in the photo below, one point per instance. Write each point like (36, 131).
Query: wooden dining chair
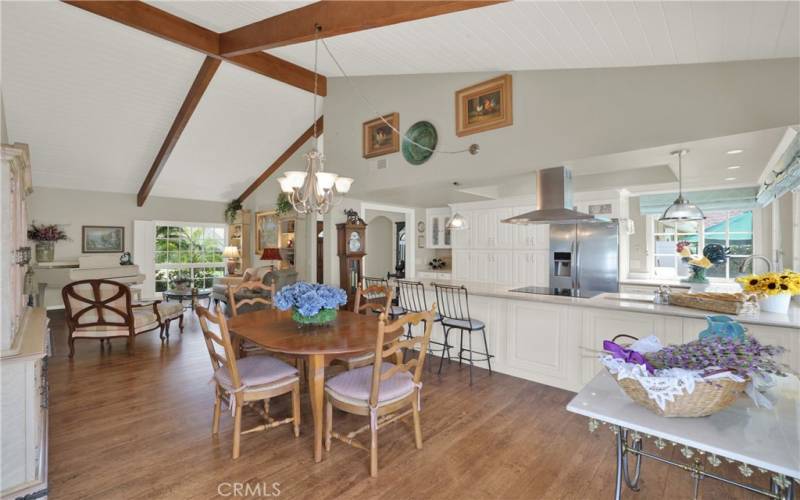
(374, 299)
(382, 389)
(250, 293)
(244, 382)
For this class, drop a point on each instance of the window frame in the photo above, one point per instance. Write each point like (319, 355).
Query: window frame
(184, 266)
(701, 242)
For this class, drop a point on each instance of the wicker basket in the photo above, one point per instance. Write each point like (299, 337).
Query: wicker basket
(728, 303)
(708, 397)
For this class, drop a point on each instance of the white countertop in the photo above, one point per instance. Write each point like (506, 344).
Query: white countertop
(763, 438)
(630, 303)
(713, 286)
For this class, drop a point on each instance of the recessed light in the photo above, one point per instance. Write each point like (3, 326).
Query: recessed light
(734, 167)
(735, 151)
(730, 178)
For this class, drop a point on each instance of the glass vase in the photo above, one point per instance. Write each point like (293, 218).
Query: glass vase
(323, 317)
(45, 251)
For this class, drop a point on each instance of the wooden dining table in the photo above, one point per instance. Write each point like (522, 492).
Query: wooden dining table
(350, 334)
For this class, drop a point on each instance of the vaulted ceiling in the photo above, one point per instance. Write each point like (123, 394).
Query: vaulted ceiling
(96, 98)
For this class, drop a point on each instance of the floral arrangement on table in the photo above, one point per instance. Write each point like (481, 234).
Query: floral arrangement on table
(45, 236)
(713, 254)
(697, 378)
(775, 289)
(311, 303)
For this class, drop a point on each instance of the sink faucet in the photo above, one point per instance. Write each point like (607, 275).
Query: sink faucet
(751, 259)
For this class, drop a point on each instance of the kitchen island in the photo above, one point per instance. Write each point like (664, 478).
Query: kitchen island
(555, 340)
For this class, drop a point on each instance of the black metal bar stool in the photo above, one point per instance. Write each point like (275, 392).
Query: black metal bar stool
(411, 296)
(395, 311)
(453, 303)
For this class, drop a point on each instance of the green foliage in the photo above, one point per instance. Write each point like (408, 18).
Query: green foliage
(283, 205)
(230, 211)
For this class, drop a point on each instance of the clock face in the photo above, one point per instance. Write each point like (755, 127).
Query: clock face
(354, 243)
(420, 227)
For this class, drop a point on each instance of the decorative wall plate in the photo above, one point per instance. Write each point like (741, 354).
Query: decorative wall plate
(423, 133)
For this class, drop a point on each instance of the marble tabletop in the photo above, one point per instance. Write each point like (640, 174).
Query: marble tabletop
(769, 439)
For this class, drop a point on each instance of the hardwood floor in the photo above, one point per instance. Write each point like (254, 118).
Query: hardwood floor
(139, 426)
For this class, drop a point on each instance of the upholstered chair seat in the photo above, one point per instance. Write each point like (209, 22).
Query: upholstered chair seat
(353, 386)
(170, 311)
(464, 324)
(256, 371)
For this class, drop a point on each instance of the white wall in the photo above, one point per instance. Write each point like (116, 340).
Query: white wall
(559, 115)
(72, 209)
(380, 248)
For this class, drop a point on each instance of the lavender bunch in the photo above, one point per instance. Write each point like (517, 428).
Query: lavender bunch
(741, 356)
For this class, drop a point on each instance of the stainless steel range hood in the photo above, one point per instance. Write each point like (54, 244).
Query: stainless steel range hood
(553, 200)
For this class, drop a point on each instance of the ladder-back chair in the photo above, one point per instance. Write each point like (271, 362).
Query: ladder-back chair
(375, 299)
(244, 382)
(380, 390)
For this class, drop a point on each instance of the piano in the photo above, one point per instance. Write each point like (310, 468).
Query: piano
(106, 266)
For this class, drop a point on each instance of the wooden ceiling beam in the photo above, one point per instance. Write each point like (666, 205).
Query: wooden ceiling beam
(157, 22)
(305, 136)
(196, 91)
(334, 18)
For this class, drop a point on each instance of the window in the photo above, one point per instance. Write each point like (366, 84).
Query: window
(191, 252)
(729, 228)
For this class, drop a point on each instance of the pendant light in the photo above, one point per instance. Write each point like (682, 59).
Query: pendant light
(681, 209)
(314, 190)
(457, 222)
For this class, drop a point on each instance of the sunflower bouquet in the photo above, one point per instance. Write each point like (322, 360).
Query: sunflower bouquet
(787, 282)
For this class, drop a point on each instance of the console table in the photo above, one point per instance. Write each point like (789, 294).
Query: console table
(760, 440)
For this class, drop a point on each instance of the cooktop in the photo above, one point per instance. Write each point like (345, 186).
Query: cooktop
(564, 292)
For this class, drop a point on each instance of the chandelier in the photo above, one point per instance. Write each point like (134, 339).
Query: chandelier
(314, 190)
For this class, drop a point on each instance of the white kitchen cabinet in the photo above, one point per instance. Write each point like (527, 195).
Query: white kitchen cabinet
(530, 236)
(481, 236)
(503, 233)
(479, 266)
(461, 265)
(434, 275)
(436, 233)
(502, 265)
(530, 268)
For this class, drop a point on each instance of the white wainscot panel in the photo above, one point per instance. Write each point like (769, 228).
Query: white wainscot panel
(600, 325)
(541, 345)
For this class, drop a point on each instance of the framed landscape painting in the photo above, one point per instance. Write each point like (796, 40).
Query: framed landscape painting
(379, 138)
(267, 229)
(484, 106)
(102, 239)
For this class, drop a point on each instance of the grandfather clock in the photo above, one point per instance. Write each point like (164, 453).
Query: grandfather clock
(352, 240)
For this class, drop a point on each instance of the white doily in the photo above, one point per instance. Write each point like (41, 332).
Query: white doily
(664, 385)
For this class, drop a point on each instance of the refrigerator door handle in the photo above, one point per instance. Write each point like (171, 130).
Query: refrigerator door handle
(576, 281)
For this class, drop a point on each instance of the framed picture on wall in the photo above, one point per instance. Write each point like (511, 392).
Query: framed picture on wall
(484, 106)
(267, 231)
(379, 138)
(102, 239)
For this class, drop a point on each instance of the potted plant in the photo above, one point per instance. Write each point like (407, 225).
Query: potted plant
(311, 303)
(776, 289)
(231, 210)
(283, 206)
(45, 236)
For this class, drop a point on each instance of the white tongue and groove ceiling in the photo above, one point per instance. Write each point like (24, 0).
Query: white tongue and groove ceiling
(95, 99)
(526, 35)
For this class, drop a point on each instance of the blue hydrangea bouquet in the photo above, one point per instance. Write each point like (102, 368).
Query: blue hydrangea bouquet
(311, 303)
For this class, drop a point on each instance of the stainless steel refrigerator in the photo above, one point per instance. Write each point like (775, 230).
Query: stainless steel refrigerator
(585, 256)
